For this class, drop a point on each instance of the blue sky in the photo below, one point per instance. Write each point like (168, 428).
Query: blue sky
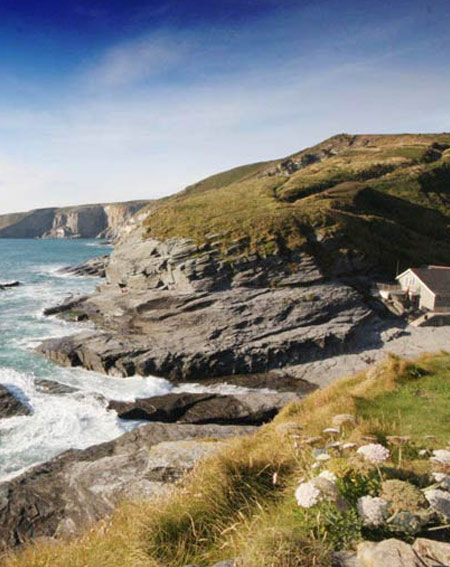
(120, 99)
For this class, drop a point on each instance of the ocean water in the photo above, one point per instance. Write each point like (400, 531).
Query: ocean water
(57, 421)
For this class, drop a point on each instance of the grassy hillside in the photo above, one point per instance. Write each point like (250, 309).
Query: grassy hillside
(384, 198)
(240, 502)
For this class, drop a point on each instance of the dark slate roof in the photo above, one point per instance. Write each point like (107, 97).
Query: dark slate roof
(436, 278)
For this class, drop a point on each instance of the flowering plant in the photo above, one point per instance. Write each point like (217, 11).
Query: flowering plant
(307, 495)
(374, 453)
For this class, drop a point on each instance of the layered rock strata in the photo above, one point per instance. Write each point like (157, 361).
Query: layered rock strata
(67, 494)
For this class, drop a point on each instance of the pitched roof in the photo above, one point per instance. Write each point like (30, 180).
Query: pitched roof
(436, 278)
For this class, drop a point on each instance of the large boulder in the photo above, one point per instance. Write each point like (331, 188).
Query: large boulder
(10, 406)
(66, 494)
(243, 409)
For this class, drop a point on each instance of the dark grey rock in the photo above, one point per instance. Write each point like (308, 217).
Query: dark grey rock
(96, 267)
(53, 387)
(7, 285)
(196, 336)
(10, 406)
(242, 409)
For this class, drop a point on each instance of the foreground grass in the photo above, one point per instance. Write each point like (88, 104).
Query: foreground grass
(239, 503)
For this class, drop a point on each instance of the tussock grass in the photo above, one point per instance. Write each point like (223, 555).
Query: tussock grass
(239, 502)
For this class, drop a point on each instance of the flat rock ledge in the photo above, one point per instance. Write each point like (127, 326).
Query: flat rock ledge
(10, 406)
(244, 409)
(66, 494)
(196, 336)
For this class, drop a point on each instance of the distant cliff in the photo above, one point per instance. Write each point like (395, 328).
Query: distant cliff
(83, 221)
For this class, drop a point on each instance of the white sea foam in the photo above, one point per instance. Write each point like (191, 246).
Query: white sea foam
(62, 421)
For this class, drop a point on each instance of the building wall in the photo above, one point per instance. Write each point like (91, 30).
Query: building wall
(411, 283)
(427, 299)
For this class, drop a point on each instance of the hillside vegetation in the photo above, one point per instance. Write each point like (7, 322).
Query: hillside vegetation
(240, 502)
(384, 199)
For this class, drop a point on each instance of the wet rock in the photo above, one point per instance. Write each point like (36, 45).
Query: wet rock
(242, 409)
(79, 487)
(10, 406)
(53, 387)
(7, 285)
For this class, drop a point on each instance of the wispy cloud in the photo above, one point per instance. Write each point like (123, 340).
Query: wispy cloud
(137, 61)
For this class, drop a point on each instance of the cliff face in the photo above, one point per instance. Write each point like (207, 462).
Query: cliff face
(85, 221)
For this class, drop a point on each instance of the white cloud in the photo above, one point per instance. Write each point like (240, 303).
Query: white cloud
(136, 61)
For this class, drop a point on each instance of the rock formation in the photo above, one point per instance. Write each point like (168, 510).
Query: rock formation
(83, 221)
(10, 406)
(77, 488)
(238, 409)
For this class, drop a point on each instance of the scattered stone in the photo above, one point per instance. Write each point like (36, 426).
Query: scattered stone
(439, 501)
(433, 553)
(387, 553)
(343, 419)
(10, 406)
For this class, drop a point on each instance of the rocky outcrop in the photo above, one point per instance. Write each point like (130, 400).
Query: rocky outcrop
(70, 492)
(84, 221)
(96, 267)
(8, 285)
(10, 406)
(201, 335)
(242, 409)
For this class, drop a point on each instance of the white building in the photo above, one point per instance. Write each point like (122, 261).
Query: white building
(428, 285)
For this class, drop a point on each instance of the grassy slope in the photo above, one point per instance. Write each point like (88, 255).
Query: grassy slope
(384, 194)
(230, 506)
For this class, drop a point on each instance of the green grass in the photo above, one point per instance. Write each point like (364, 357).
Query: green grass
(418, 407)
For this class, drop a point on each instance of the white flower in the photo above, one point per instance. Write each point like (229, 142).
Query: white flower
(372, 510)
(349, 445)
(328, 475)
(323, 457)
(441, 456)
(374, 453)
(332, 430)
(307, 495)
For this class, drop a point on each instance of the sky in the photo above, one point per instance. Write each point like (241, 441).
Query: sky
(113, 100)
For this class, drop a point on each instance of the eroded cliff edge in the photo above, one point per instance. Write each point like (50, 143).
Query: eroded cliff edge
(83, 221)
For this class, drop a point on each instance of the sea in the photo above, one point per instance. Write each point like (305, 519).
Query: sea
(57, 421)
